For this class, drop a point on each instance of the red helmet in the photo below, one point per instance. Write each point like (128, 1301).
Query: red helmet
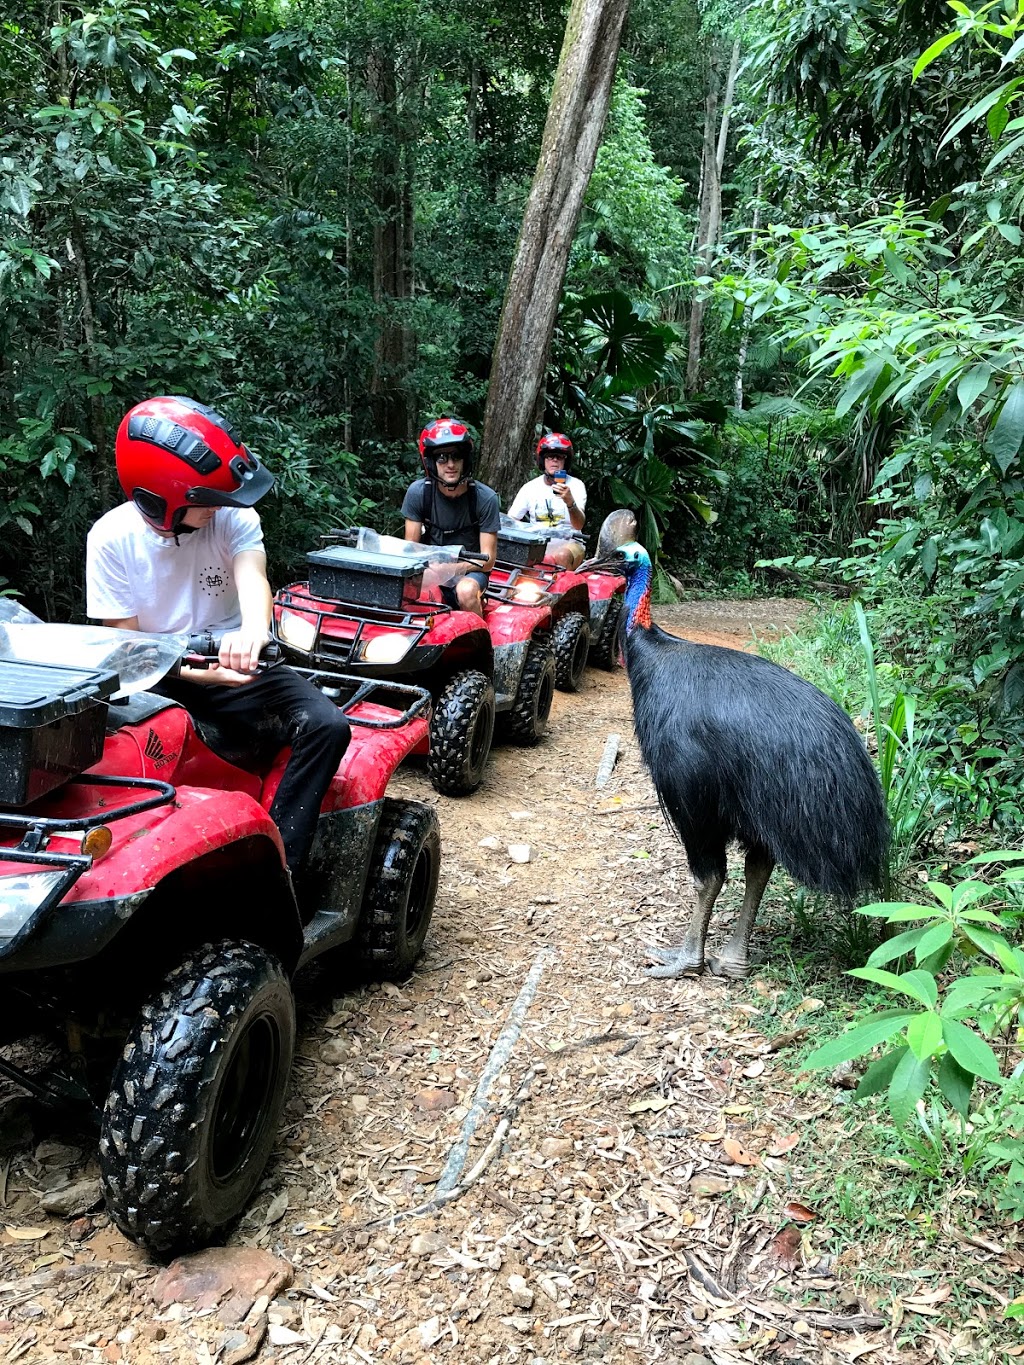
(554, 443)
(445, 432)
(175, 453)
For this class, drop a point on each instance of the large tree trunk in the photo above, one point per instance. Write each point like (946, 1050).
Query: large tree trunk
(395, 347)
(572, 135)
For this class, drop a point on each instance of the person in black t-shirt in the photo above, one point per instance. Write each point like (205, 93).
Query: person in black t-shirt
(449, 507)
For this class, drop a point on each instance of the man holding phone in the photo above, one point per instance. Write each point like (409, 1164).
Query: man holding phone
(554, 499)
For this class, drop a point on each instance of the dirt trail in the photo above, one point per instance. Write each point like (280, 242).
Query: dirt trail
(612, 1190)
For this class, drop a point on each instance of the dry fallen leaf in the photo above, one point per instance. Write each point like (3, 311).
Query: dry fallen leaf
(784, 1145)
(800, 1213)
(653, 1105)
(737, 1153)
(26, 1234)
(276, 1209)
(785, 1247)
(754, 1069)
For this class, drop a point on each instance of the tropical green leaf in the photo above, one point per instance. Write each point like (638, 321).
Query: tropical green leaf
(971, 1051)
(858, 1040)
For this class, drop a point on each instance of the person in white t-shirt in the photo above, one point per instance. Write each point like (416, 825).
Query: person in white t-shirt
(554, 499)
(185, 553)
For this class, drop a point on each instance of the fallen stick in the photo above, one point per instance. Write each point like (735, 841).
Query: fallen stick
(500, 1053)
(607, 763)
(447, 1196)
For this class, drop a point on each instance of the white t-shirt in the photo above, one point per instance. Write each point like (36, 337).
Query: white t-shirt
(536, 502)
(130, 570)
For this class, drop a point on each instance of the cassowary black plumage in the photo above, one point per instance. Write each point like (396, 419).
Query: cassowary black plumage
(742, 750)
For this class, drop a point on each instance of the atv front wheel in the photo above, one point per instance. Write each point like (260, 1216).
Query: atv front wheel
(400, 888)
(461, 730)
(604, 652)
(528, 718)
(197, 1097)
(571, 641)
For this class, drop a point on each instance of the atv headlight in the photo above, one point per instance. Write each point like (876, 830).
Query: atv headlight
(296, 631)
(387, 648)
(21, 897)
(527, 592)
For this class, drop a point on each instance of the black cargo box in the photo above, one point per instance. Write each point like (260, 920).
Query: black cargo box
(522, 546)
(52, 721)
(366, 578)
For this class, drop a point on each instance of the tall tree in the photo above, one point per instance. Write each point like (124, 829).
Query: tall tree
(572, 135)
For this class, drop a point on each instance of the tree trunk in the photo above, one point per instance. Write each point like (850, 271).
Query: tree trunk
(104, 482)
(572, 135)
(741, 359)
(709, 228)
(394, 349)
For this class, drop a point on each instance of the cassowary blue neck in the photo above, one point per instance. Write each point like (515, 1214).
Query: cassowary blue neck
(638, 598)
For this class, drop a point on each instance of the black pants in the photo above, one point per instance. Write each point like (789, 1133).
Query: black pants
(282, 708)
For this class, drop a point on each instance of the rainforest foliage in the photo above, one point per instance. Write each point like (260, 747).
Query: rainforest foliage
(790, 330)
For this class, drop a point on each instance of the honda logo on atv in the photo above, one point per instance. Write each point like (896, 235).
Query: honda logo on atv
(155, 752)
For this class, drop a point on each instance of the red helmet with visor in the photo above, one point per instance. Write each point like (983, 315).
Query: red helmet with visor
(175, 453)
(554, 443)
(444, 434)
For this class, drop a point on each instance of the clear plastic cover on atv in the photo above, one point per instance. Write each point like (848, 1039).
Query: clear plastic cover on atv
(440, 563)
(139, 660)
(538, 531)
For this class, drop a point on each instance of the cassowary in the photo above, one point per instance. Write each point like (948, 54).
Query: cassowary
(742, 750)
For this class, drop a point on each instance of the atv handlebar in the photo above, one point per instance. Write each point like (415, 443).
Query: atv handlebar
(204, 652)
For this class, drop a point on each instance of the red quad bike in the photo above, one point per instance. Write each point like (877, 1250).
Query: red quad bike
(586, 604)
(373, 606)
(144, 898)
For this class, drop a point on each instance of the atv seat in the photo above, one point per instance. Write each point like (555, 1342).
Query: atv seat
(135, 709)
(252, 752)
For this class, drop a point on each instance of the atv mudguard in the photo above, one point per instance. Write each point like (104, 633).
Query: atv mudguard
(604, 589)
(511, 628)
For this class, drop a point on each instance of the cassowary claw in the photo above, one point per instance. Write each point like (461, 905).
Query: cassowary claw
(728, 968)
(675, 962)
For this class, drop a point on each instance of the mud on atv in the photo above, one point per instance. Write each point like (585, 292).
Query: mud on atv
(374, 606)
(144, 898)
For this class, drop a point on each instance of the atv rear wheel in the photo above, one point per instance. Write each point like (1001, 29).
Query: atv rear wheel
(400, 888)
(197, 1097)
(604, 652)
(571, 640)
(528, 719)
(461, 731)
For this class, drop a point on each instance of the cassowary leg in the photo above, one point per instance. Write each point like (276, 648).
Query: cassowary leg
(688, 958)
(734, 958)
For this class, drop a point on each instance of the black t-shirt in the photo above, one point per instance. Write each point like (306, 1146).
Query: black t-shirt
(452, 521)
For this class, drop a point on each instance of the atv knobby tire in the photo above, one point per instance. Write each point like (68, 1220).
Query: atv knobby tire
(197, 1097)
(528, 718)
(604, 652)
(571, 641)
(400, 888)
(461, 731)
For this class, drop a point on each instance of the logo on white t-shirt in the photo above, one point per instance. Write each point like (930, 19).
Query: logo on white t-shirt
(213, 581)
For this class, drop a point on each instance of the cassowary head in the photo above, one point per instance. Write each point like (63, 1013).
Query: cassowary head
(620, 552)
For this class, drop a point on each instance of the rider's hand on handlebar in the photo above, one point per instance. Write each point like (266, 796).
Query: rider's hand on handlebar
(240, 652)
(215, 674)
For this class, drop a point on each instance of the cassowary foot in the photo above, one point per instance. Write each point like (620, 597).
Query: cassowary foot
(731, 968)
(675, 962)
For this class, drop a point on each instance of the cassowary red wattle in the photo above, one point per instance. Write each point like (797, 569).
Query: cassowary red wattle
(741, 750)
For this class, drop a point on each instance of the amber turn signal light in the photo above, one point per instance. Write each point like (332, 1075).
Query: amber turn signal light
(97, 841)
